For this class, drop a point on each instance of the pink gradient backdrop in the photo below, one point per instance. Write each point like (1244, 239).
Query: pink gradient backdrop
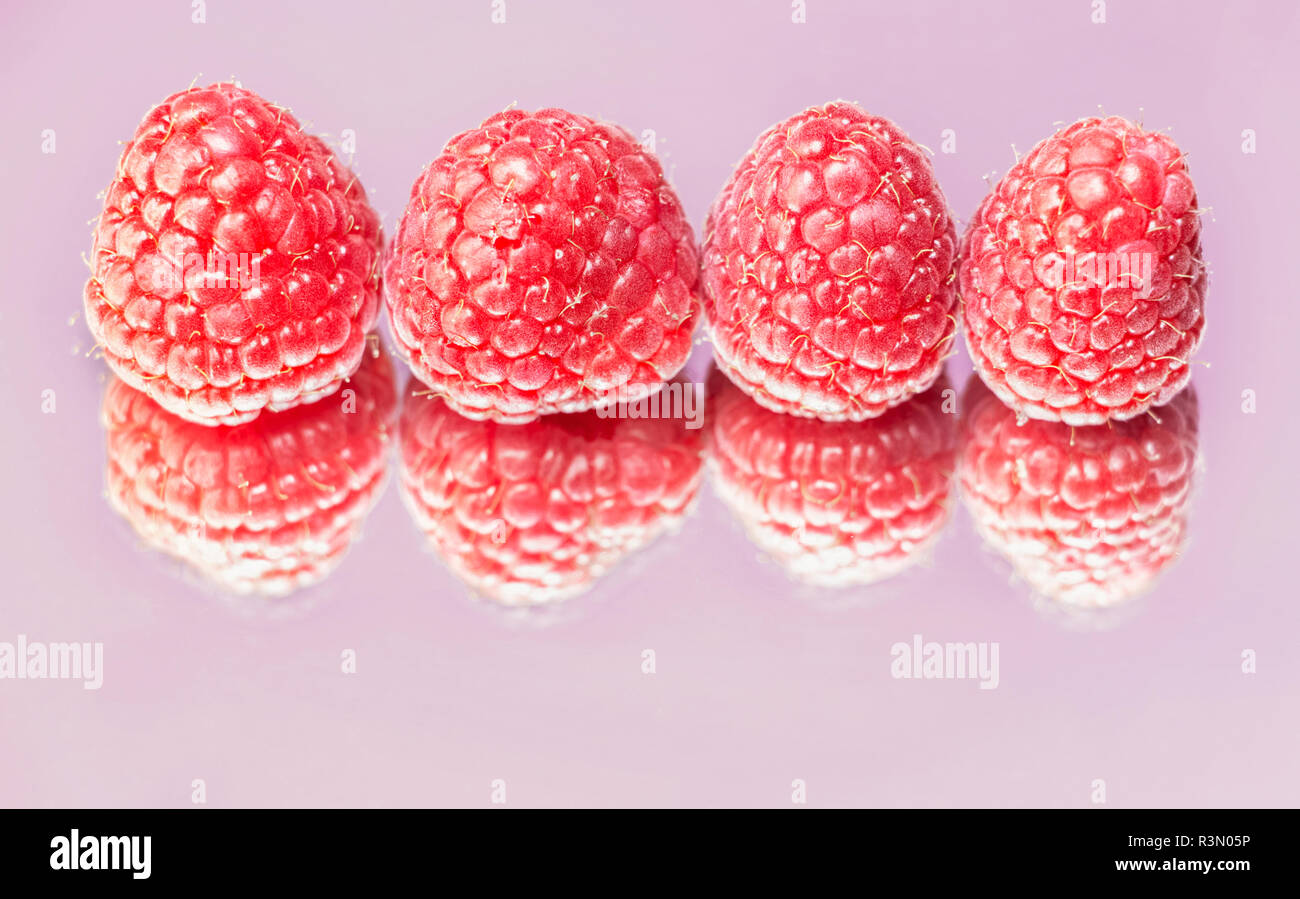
(759, 682)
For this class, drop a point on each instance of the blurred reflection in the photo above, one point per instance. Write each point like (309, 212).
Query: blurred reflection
(532, 514)
(837, 503)
(1088, 516)
(260, 508)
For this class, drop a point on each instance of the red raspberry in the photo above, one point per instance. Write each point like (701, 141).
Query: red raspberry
(235, 264)
(827, 271)
(1081, 276)
(542, 263)
(264, 507)
(837, 503)
(1088, 516)
(534, 513)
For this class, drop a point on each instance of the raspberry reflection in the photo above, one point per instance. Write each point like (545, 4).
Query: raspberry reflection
(535, 513)
(262, 508)
(837, 503)
(1088, 516)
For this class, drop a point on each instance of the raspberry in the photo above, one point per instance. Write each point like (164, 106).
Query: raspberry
(264, 507)
(534, 513)
(542, 263)
(1081, 276)
(1088, 516)
(235, 264)
(836, 503)
(828, 284)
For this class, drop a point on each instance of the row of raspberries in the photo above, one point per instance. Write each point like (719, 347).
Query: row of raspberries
(543, 264)
(530, 514)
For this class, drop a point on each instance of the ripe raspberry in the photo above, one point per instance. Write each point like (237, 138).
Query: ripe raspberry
(235, 264)
(1081, 276)
(1088, 516)
(827, 270)
(836, 503)
(535, 513)
(264, 507)
(542, 263)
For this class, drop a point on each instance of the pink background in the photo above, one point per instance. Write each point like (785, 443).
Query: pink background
(759, 681)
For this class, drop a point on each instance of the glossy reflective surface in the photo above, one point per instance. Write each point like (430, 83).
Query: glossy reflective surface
(690, 652)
